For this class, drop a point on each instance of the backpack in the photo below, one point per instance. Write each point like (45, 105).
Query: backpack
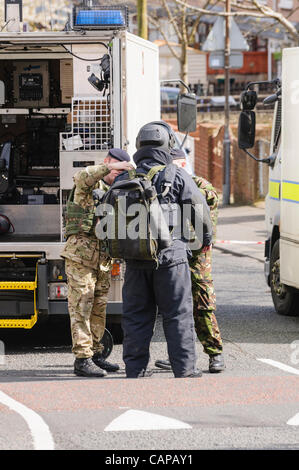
(130, 222)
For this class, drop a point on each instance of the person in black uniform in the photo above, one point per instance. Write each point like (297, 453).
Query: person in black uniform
(166, 287)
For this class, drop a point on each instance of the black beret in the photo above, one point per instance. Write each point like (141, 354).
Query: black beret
(177, 153)
(119, 154)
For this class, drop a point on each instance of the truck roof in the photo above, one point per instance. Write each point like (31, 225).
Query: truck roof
(53, 37)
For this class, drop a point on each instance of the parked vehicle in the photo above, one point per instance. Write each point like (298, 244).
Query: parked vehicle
(169, 97)
(282, 201)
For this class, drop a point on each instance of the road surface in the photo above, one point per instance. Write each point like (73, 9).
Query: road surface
(254, 404)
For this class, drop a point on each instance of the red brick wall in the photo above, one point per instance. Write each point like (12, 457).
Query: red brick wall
(208, 160)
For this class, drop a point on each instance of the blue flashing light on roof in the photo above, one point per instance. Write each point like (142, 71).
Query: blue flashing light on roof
(97, 17)
(100, 17)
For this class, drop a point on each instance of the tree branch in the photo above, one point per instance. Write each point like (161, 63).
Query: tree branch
(242, 6)
(184, 26)
(158, 26)
(217, 13)
(197, 21)
(260, 12)
(269, 13)
(172, 20)
(270, 26)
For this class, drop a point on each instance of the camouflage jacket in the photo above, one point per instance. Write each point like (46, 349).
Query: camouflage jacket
(211, 196)
(86, 248)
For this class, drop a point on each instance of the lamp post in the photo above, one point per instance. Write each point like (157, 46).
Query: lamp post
(225, 43)
(226, 141)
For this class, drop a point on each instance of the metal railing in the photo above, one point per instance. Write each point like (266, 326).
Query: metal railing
(90, 127)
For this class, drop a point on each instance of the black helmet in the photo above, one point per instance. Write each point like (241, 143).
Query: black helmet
(157, 134)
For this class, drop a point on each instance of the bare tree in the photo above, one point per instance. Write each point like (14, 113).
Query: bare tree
(182, 20)
(185, 19)
(249, 8)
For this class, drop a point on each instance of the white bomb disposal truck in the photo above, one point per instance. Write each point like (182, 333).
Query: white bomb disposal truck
(282, 201)
(65, 99)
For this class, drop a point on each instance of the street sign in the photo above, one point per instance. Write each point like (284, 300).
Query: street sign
(216, 37)
(215, 44)
(216, 60)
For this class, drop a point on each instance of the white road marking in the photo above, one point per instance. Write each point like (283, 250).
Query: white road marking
(280, 365)
(42, 438)
(294, 421)
(135, 420)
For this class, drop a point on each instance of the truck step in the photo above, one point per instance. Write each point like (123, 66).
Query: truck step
(18, 285)
(26, 323)
(19, 323)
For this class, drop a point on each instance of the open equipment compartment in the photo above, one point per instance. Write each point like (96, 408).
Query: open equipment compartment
(33, 114)
(52, 123)
(62, 106)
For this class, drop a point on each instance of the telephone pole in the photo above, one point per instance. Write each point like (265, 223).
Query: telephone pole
(142, 18)
(226, 141)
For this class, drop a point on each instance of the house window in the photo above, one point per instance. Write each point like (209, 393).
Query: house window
(286, 4)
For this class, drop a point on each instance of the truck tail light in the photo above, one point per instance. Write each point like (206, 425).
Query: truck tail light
(116, 270)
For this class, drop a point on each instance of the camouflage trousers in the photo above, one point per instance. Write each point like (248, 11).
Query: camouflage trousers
(87, 299)
(204, 303)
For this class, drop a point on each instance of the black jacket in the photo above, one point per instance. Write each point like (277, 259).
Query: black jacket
(183, 192)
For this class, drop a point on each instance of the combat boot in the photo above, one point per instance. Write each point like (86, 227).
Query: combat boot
(103, 364)
(216, 363)
(85, 367)
(196, 374)
(163, 364)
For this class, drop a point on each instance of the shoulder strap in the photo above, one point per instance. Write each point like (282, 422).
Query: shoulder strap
(169, 177)
(132, 174)
(153, 171)
(71, 196)
(170, 171)
(148, 176)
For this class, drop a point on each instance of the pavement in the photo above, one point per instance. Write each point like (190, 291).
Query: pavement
(241, 231)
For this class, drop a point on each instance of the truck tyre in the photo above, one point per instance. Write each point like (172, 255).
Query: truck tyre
(117, 332)
(107, 343)
(285, 299)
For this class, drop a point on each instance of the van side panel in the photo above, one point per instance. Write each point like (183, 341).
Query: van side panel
(289, 245)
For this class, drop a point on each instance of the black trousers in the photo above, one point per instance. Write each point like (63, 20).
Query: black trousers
(166, 290)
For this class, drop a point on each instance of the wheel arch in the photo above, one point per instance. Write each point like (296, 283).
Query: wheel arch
(275, 236)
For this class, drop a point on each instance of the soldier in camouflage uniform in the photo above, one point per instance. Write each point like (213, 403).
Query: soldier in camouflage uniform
(88, 267)
(204, 297)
